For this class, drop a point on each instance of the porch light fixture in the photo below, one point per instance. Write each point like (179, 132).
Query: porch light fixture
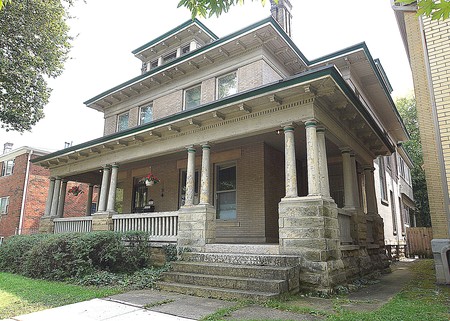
(279, 131)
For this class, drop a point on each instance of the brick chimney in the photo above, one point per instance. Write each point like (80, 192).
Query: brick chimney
(281, 12)
(7, 147)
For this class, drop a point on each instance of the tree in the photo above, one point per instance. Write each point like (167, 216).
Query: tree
(407, 109)
(34, 44)
(204, 8)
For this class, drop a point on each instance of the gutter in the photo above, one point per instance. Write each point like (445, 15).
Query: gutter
(25, 186)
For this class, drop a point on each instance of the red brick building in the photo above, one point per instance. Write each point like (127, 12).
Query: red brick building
(24, 189)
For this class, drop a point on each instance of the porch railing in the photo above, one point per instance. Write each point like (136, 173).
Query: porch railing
(162, 226)
(344, 220)
(73, 224)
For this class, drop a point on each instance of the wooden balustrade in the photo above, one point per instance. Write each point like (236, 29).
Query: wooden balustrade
(73, 224)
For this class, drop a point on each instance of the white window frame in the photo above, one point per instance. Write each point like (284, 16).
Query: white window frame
(152, 64)
(4, 208)
(150, 105)
(166, 58)
(184, 97)
(217, 192)
(188, 46)
(223, 76)
(5, 171)
(118, 121)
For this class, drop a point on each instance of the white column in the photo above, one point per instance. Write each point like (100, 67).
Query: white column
(112, 188)
(55, 199)
(104, 189)
(372, 207)
(312, 158)
(62, 198)
(290, 163)
(205, 180)
(323, 163)
(190, 177)
(349, 201)
(89, 199)
(355, 181)
(48, 204)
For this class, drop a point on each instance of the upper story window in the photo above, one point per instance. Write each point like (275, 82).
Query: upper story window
(153, 64)
(402, 167)
(146, 114)
(123, 121)
(169, 57)
(192, 97)
(227, 85)
(7, 168)
(4, 201)
(186, 49)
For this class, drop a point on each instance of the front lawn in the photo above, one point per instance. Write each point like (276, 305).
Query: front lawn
(21, 295)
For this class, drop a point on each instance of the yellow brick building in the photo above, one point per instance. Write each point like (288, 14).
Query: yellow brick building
(427, 44)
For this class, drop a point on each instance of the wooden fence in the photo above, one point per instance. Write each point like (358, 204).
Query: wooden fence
(419, 241)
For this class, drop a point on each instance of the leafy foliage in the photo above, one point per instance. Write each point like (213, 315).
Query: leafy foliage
(63, 256)
(407, 109)
(34, 46)
(431, 8)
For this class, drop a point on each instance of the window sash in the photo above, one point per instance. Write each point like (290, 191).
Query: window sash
(227, 85)
(122, 121)
(4, 202)
(146, 114)
(7, 168)
(226, 196)
(192, 97)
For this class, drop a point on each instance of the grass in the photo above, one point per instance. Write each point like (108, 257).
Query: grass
(21, 295)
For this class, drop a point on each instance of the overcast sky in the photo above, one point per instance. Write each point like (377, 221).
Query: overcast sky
(108, 30)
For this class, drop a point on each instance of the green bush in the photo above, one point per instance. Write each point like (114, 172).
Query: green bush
(63, 256)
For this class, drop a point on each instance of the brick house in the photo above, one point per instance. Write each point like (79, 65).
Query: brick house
(262, 157)
(428, 48)
(24, 190)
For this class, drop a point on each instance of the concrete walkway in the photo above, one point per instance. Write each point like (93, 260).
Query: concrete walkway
(165, 306)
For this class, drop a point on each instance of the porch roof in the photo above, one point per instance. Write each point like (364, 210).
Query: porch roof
(298, 84)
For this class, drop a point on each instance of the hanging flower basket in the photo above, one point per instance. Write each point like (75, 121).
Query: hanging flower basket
(75, 190)
(150, 180)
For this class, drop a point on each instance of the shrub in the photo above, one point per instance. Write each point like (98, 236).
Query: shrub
(63, 256)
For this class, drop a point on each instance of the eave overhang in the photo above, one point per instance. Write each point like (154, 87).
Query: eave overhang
(219, 110)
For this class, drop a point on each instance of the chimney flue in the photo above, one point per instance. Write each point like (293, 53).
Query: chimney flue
(281, 12)
(7, 147)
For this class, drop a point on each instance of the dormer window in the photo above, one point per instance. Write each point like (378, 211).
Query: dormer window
(153, 64)
(186, 49)
(169, 57)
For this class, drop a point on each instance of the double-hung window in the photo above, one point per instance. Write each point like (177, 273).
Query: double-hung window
(122, 121)
(192, 97)
(227, 85)
(382, 175)
(4, 201)
(146, 114)
(7, 168)
(226, 192)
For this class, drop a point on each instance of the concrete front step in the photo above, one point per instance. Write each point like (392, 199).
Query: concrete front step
(228, 282)
(261, 249)
(213, 292)
(248, 271)
(242, 259)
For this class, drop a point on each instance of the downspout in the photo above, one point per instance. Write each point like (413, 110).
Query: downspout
(25, 186)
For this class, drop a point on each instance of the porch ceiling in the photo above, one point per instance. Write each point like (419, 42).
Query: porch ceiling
(243, 115)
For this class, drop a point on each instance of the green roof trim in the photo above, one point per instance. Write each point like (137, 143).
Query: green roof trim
(297, 79)
(196, 52)
(175, 30)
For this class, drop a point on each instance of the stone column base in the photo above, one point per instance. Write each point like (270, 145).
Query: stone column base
(196, 227)
(441, 254)
(46, 225)
(309, 228)
(102, 221)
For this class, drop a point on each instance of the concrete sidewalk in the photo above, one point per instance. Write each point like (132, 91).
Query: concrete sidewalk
(166, 306)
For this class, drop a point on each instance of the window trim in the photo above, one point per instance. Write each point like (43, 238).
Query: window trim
(118, 122)
(216, 192)
(223, 76)
(184, 96)
(5, 171)
(149, 104)
(6, 206)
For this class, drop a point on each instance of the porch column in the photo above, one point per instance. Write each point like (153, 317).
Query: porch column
(312, 158)
(190, 177)
(89, 199)
(62, 198)
(290, 164)
(355, 184)
(104, 188)
(48, 203)
(112, 188)
(323, 163)
(205, 180)
(55, 199)
(349, 201)
(371, 198)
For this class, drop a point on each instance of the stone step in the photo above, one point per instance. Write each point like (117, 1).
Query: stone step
(228, 282)
(213, 292)
(242, 259)
(261, 249)
(249, 271)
